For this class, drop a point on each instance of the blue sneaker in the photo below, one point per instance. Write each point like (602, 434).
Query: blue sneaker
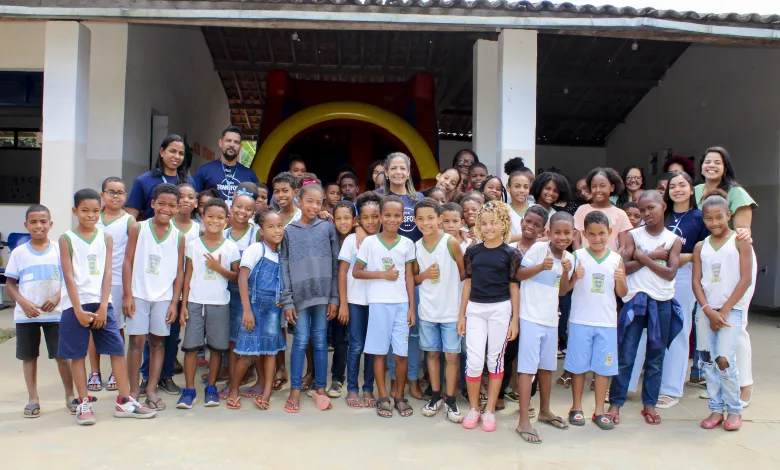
(212, 396)
(186, 399)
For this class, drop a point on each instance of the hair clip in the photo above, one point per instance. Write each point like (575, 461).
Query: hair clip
(307, 182)
(244, 192)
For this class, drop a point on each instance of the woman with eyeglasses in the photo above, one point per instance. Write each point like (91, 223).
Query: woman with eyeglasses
(462, 162)
(633, 185)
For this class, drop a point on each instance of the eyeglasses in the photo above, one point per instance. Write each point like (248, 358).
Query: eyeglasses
(464, 160)
(112, 193)
(633, 178)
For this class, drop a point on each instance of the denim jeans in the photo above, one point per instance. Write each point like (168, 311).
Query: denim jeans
(722, 385)
(312, 323)
(564, 305)
(358, 325)
(413, 354)
(171, 350)
(654, 359)
(340, 341)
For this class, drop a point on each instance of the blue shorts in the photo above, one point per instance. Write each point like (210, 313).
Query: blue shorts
(437, 337)
(592, 348)
(236, 312)
(538, 347)
(74, 338)
(387, 323)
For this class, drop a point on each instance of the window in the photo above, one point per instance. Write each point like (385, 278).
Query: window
(21, 139)
(20, 166)
(7, 139)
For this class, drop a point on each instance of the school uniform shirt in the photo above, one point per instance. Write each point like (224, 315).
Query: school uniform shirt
(408, 228)
(254, 252)
(155, 264)
(737, 197)
(516, 218)
(118, 229)
(225, 179)
(689, 228)
(618, 221)
(539, 294)
(491, 270)
(141, 193)
(376, 255)
(208, 287)
(295, 218)
(720, 273)
(356, 288)
(242, 240)
(645, 280)
(38, 275)
(190, 233)
(88, 257)
(593, 300)
(440, 297)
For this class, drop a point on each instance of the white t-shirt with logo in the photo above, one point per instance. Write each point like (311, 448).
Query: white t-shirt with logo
(375, 255)
(156, 263)
(539, 294)
(208, 287)
(38, 276)
(593, 300)
(356, 288)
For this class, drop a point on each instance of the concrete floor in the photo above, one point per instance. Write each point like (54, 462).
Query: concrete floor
(342, 437)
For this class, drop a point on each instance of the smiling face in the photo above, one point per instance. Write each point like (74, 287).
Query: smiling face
(463, 162)
(448, 180)
(38, 224)
(343, 219)
(583, 191)
(451, 222)
(398, 172)
(88, 213)
(652, 210)
(634, 216)
(369, 218)
(712, 168)
(333, 194)
(114, 195)
(427, 220)
(550, 193)
(493, 190)
(214, 219)
(601, 189)
(597, 236)
(230, 145)
(242, 210)
(519, 187)
(273, 229)
(165, 207)
(311, 204)
(491, 228)
(284, 194)
(172, 156)
(561, 234)
(633, 179)
(716, 218)
(392, 216)
(531, 226)
(470, 210)
(679, 189)
(188, 200)
(477, 176)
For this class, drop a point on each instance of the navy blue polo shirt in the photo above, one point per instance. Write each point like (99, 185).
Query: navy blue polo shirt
(223, 178)
(140, 197)
(689, 226)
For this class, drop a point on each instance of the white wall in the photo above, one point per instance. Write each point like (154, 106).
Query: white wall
(170, 73)
(716, 95)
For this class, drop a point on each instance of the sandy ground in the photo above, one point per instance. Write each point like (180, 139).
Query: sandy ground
(344, 437)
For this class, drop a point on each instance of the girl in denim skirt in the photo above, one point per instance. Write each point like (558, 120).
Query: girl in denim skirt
(260, 284)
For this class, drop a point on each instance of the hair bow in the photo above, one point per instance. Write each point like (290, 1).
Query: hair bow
(308, 182)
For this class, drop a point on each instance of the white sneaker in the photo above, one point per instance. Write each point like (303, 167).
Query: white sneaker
(453, 413)
(432, 407)
(132, 409)
(84, 414)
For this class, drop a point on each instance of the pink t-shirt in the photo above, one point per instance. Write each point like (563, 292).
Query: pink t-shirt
(618, 220)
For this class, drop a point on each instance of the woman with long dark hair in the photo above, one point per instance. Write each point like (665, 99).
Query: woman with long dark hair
(169, 167)
(633, 185)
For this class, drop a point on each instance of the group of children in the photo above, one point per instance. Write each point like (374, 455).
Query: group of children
(479, 280)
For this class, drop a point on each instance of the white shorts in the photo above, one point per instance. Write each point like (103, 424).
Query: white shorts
(387, 323)
(149, 318)
(538, 347)
(117, 297)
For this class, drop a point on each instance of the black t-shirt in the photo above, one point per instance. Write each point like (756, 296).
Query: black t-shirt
(491, 270)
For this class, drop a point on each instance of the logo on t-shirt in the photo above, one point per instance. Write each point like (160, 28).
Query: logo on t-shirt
(557, 281)
(55, 274)
(715, 272)
(210, 274)
(387, 263)
(92, 265)
(597, 283)
(153, 265)
(227, 187)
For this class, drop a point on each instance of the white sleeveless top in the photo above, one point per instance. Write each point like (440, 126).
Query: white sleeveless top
(249, 237)
(516, 218)
(439, 298)
(593, 298)
(720, 273)
(191, 233)
(156, 263)
(89, 262)
(645, 280)
(118, 229)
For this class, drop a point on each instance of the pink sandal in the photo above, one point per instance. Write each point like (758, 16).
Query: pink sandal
(322, 401)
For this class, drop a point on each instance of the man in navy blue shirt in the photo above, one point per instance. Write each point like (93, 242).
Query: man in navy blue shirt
(225, 174)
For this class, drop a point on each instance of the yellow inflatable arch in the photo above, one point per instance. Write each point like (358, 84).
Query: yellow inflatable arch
(302, 120)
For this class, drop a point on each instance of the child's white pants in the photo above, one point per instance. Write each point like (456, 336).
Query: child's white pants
(486, 325)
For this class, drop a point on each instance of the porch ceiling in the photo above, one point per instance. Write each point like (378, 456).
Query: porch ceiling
(586, 85)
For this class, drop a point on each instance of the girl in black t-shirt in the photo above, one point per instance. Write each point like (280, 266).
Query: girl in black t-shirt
(489, 307)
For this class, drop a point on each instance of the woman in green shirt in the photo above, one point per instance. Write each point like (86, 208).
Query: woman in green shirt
(718, 173)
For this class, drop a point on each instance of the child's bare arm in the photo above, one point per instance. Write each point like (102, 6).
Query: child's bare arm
(410, 294)
(29, 308)
(70, 284)
(665, 272)
(464, 301)
(698, 290)
(185, 293)
(621, 288)
(343, 300)
(359, 272)
(128, 307)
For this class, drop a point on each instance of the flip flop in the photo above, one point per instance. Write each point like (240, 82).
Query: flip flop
(563, 382)
(354, 402)
(322, 401)
(223, 394)
(604, 422)
(279, 383)
(653, 419)
(291, 407)
(32, 410)
(523, 435)
(233, 403)
(155, 404)
(251, 392)
(561, 424)
(262, 404)
(369, 402)
(615, 417)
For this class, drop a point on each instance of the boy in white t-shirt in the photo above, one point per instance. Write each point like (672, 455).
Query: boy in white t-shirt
(545, 273)
(385, 260)
(211, 261)
(34, 282)
(438, 271)
(592, 342)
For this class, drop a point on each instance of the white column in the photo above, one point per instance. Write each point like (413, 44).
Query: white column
(105, 135)
(65, 114)
(485, 104)
(517, 96)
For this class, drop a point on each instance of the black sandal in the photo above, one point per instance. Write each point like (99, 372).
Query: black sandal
(402, 405)
(383, 408)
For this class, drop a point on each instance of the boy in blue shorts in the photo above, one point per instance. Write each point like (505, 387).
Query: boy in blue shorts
(439, 271)
(34, 282)
(592, 346)
(85, 256)
(385, 260)
(545, 273)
